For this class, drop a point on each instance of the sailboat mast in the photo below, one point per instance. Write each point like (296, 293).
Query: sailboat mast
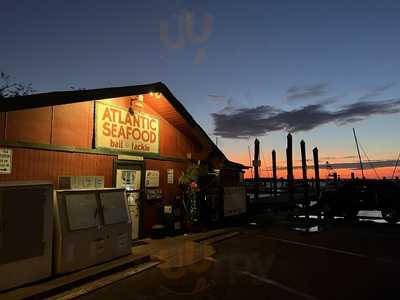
(251, 169)
(358, 151)
(395, 167)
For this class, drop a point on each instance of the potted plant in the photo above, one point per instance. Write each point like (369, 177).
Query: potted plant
(188, 183)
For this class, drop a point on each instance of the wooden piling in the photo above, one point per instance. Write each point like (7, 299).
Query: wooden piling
(256, 165)
(289, 157)
(316, 170)
(275, 183)
(289, 161)
(303, 159)
(304, 169)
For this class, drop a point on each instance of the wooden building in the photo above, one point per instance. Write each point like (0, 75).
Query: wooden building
(101, 132)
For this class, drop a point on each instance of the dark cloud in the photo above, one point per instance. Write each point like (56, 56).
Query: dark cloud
(244, 122)
(359, 110)
(257, 121)
(329, 100)
(306, 92)
(377, 91)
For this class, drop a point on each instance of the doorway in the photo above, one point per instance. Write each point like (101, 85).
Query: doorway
(130, 175)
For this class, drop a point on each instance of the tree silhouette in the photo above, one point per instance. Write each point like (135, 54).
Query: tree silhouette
(10, 88)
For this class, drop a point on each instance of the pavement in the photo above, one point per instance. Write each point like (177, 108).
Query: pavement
(168, 253)
(266, 259)
(270, 260)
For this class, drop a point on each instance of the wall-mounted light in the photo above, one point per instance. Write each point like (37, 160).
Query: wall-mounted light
(139, 101)
(157, 95)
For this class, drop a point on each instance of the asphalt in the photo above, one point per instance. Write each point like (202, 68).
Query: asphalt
(273, 261)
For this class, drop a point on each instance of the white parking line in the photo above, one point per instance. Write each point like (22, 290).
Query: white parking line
(380, 259)
(280, 286)
(316, 247)
(102, 282)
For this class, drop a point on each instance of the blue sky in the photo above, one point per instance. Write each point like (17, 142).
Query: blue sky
(214, 54)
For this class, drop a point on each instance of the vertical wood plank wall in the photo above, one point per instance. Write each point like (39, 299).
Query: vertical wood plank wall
(34, 164)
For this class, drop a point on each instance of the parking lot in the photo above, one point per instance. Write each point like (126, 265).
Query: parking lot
(272, 260)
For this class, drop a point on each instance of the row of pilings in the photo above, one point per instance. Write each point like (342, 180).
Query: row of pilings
(289, 167)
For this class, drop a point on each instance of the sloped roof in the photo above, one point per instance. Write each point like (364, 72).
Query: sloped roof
(236, 166)
(68, 97)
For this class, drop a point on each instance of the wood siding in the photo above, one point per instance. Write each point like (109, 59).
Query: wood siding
(72, 125)
(33, 164)
(29, 125)
(170, 191)
(2, 124)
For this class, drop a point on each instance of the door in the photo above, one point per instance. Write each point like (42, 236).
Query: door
(130, 175)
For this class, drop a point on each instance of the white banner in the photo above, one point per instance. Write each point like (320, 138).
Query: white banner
(118, 129)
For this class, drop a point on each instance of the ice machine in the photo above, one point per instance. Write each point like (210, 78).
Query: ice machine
(91, 226)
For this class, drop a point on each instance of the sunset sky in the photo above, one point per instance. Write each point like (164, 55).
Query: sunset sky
(243, 69)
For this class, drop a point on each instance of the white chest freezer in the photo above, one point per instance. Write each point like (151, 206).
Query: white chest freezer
(91, 226)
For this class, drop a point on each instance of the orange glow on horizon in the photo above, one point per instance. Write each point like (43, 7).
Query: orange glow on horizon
(266, 171)
(323, 173)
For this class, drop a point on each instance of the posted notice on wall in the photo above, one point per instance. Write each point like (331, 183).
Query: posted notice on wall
(128, 179)
(5, 161)
(170, 176)
(152, 178)
(118, 129)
